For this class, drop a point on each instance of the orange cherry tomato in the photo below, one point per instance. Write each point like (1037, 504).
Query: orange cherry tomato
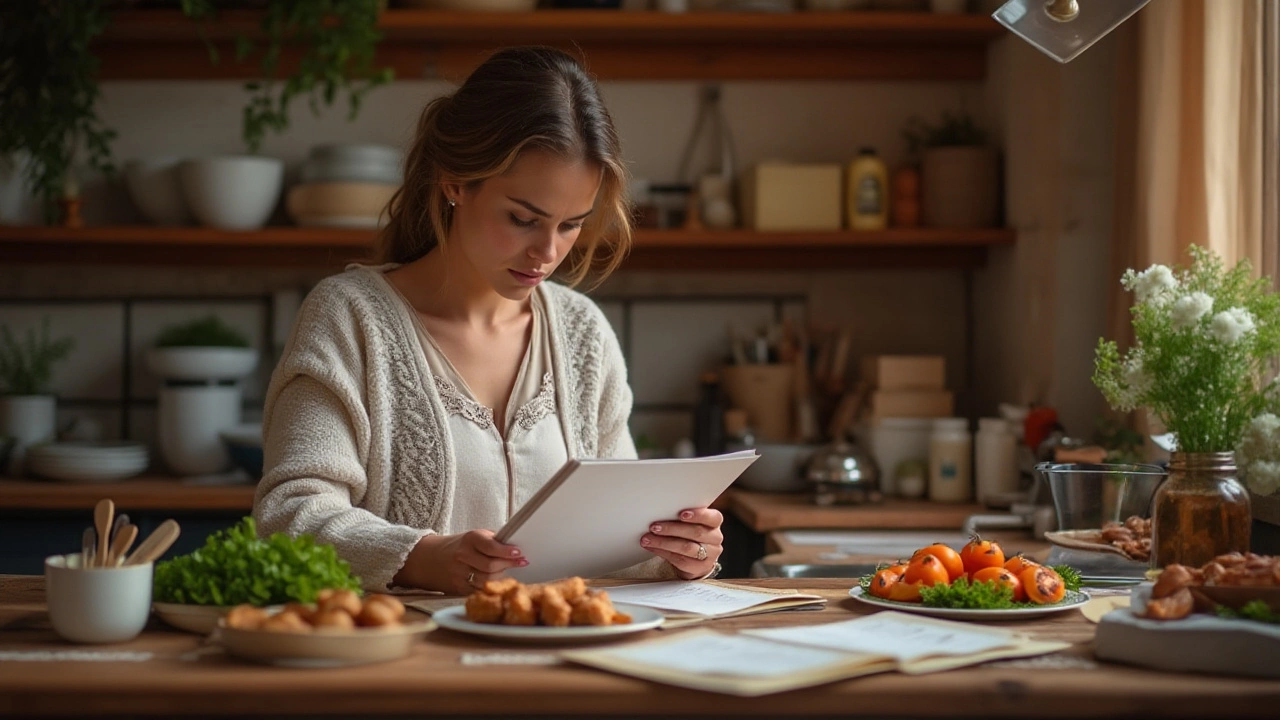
(904, 591)
(885, 579)
(949, 557)
(979, 553)
(1001, 576)
(1043, 585)
(1018, 563)
(927, 570)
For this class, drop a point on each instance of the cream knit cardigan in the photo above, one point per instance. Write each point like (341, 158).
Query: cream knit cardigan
(358, 453)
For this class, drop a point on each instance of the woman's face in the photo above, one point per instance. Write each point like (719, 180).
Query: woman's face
(515, 229)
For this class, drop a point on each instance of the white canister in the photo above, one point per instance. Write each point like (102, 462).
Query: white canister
(191, 419)
(995, 460)
(950, 461)
(28, 419)
(895, 440)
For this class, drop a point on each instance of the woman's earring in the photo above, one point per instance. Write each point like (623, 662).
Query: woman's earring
(453, 203)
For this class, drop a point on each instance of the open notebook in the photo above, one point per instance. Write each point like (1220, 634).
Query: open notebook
(589, 517)
(759, 662)
(686, 603)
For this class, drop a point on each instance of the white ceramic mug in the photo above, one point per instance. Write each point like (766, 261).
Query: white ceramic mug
(96, 605)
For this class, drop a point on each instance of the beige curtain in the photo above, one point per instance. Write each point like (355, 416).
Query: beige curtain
(1197, 133)
(1190, 140)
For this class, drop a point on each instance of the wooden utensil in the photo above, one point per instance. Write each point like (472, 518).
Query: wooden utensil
(155, 544)
(88, 546)
(102, 515)
(121, 542)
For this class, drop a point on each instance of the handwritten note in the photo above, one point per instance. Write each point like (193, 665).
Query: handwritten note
(696, 598)
(735, 655)
(891, 634)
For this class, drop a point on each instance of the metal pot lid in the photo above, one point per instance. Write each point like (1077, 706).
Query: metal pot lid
(843, 463)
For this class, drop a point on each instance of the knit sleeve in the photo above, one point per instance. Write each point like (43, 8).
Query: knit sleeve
(615, 400)
(317, 437)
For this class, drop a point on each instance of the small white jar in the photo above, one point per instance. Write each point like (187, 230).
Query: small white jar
(950, 461)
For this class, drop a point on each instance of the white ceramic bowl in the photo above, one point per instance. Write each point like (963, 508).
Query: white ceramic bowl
(779, 468)
(232, 192)
(202, 363)
(96, 605)
(155, 188)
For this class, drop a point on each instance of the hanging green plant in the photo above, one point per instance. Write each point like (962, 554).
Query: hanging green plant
(338, 39)
(49, 92)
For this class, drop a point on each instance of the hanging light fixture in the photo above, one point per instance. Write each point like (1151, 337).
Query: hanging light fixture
(1062, 29)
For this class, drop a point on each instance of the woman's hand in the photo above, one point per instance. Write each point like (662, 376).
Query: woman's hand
(458, 564)
(691, 544)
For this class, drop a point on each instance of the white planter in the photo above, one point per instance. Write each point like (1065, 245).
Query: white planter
(190, 420)
(18, 206)
(202, 363)
(155, 188)
(232, 192)
(28, 419)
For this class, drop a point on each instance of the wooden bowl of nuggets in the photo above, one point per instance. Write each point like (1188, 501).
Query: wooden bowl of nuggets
(564, 610)
(341, 628)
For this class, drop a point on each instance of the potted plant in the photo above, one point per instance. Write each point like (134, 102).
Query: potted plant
(49, 96)
(959, 172)
(28, 408)
(337, 39)
(200, 364)
(1206, 342)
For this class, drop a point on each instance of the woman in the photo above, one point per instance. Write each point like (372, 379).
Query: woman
(419, 403)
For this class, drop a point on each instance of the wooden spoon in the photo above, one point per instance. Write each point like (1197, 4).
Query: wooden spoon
(121, 542)
(102, 520)
(87, 548)
(155, 544)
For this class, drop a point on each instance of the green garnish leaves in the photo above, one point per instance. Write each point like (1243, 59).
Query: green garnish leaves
(962, 594)
(1253, 610)
(1070, 576)
(235, 566)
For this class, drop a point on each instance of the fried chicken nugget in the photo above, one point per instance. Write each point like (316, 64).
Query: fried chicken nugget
(519, 608)
(570, 588)
(592, 609)
(501, 586)
(484, 607)
(555, 611)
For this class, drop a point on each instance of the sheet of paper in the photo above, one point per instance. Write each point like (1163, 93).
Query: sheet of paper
(898, 635)
(690, 597)
(738, 655)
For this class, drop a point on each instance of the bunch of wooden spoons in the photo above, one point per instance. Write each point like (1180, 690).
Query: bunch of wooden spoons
(107, 543)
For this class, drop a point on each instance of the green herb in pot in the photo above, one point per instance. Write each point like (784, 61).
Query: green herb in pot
(235, 566)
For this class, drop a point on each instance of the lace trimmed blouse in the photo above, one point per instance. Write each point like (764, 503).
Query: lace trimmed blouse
(499, 469)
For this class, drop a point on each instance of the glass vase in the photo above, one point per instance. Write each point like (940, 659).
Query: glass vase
(1200, 512)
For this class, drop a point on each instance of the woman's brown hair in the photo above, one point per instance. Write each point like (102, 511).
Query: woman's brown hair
(520, 98)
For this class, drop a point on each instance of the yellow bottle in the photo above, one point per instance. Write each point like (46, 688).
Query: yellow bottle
(867, 202)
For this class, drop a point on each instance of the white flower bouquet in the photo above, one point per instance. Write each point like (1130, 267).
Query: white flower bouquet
(1206, 340)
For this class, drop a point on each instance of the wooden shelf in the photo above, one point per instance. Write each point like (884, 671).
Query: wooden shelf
(766, 512)
(163, 44)
(141, 493)
(654, 249)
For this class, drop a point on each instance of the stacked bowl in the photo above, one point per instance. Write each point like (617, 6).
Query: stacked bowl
(87, 461)
(345, 186)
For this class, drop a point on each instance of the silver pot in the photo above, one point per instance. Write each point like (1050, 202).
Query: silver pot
(843, 473)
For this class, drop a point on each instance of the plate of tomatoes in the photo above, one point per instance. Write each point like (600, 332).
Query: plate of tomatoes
(975, 582)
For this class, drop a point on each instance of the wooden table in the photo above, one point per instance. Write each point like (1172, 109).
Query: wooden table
(183, 677)
(764, 512)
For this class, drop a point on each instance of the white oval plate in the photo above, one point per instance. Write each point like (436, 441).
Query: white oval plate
(1073, 599)
(642, 618)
